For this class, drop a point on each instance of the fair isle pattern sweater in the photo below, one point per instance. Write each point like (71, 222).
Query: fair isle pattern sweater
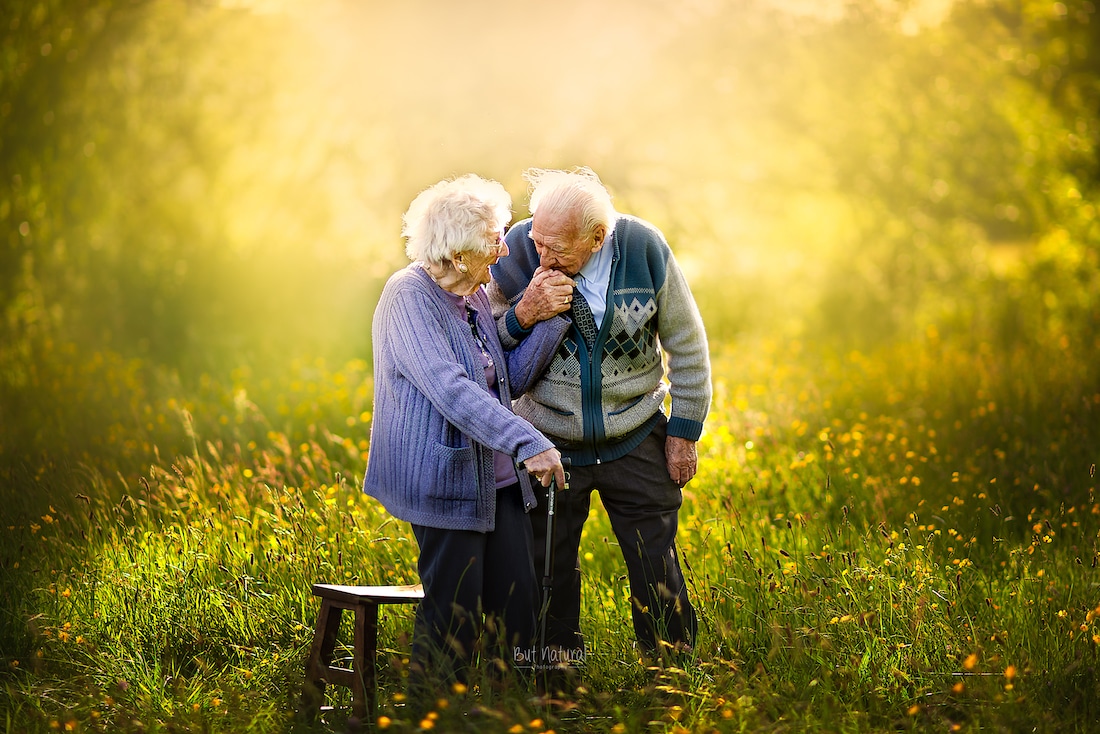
(599, 405)
(435, 423)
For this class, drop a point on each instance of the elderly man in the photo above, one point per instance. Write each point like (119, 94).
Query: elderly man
(600, 400)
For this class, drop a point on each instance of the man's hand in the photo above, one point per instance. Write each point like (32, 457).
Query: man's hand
(682, 459)
(549, 293)
(547, 466)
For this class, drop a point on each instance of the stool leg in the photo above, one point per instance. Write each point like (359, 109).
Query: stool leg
(366, 649)
(320, 656)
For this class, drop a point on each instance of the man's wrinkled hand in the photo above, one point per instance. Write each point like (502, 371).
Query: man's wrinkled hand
(549, 293)
(682, 459)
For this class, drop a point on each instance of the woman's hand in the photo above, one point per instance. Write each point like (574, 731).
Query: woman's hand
(547, 466)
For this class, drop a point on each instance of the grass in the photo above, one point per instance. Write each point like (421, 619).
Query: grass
(898, 541)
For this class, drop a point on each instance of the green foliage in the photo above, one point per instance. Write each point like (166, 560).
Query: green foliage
(127, 206)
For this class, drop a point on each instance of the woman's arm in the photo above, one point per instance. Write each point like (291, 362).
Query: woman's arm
(530, 358)
(419, 334)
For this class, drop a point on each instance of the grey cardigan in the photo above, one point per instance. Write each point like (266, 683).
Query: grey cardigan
(435, 423)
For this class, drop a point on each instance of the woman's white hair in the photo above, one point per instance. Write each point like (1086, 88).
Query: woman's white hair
(455, 215)
(578, 192)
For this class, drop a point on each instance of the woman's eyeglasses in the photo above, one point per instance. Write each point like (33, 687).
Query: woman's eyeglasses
(498, 248)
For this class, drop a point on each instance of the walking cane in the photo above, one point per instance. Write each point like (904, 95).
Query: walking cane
(548, 561)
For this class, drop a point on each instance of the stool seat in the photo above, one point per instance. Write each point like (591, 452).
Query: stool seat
(363, 602)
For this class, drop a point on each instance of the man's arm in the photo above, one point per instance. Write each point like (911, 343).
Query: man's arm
(684, 340)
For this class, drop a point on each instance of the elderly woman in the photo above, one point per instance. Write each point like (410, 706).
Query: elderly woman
(445, 444)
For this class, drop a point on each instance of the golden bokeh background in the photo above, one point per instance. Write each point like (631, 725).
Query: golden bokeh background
(205, 185)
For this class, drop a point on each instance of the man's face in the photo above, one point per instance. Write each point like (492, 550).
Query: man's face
(559, 246)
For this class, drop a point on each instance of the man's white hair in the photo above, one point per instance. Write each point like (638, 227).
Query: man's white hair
(577, 192)
(455, 215)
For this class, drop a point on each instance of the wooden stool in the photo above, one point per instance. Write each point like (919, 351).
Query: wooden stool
(363, 601)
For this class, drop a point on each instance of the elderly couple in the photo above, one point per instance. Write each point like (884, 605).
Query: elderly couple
(500, 348)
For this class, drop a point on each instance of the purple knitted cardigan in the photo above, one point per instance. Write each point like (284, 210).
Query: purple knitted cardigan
(435, 423)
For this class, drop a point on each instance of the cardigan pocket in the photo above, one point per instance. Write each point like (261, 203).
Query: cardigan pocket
(628, 406)
(625, 419)
(453, 473)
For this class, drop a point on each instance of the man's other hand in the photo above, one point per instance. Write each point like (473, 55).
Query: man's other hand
(682, 459)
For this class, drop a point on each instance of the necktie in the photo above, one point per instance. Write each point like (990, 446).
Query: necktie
(582, 317)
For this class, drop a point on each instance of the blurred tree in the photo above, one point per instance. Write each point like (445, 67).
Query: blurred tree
(919, 131)
(1056, 52)
(1052, 296)
(130, 132)
(46, 49)
(109, 158)
(954, 147)
(169, 188)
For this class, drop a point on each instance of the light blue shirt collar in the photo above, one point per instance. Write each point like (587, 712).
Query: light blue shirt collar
(594, 278)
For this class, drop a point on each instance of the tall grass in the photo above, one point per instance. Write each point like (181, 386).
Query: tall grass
(903, 540)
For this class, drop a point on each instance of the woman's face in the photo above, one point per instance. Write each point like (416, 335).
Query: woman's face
(477, 265)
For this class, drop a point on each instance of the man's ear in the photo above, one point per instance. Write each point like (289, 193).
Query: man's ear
(599, 234)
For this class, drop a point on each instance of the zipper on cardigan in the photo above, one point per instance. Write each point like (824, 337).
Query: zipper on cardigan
(590, 397)
(595, 369)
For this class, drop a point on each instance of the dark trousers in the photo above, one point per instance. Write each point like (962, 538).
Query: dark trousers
(480, 594)
(642, 504)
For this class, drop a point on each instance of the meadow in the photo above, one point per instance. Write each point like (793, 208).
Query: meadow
(899, 539)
